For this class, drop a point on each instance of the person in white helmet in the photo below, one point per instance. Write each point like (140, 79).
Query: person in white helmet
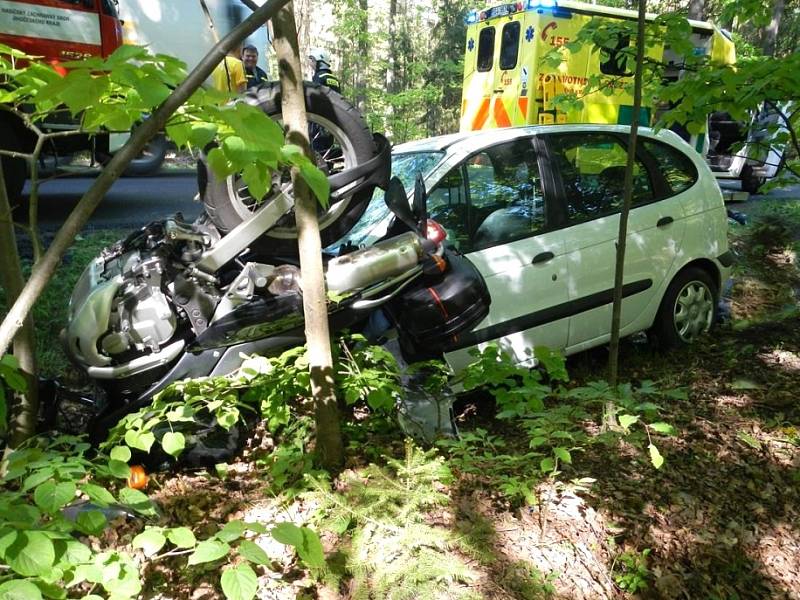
(320, 62)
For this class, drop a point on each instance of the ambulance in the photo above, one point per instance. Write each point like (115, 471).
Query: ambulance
(507, 82)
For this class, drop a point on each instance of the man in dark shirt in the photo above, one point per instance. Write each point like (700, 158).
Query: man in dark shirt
(320, 62)
(255, 74)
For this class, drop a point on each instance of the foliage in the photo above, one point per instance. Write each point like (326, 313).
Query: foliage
(555, 419)
(391, 551)
(121, 90)
(267, 387)
(50, 312)
(45, 551)
(11, 381)
(774, 228)
(632, 573)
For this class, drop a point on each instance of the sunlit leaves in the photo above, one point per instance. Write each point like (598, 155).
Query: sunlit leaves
(239, 583)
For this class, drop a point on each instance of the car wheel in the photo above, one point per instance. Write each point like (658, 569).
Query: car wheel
(688, 309)
(750, 181)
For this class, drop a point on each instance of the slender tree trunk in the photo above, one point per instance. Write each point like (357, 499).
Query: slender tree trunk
(45, 268)
(328, 433)
(24, 408)
(391, 67)
(363, 55)
(769, 38)
(613, 359)
(697, 9)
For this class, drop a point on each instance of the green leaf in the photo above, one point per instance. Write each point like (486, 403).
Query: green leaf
(91, 522)
(239, 583)
(288, 533)
(137, 501)
(201, 134)
(563, 454)
(655, 456)
(232, 530)
(142, 440)
(76, 552)
(547, 464)
(182, 537)
(664, 428)
(120, 453)
(749, 440)
(627, 420)
(34, 479)
(253, 552)
(32, 554)
(258, 180)
(219, 163)
(119, 469)
(207, 551)
(19, 589)
(173, 443)
(97, 494)
(311, 550)
(150, 541)
(51, 496)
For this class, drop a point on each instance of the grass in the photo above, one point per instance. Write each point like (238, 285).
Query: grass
(50, 312)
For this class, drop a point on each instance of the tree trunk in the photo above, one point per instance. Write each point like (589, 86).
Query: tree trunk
(769, 38)
(391, 67)
(44, 269)
(613, 359)
(329, 438)
(24, 408)
(697, 10)
(363, 56)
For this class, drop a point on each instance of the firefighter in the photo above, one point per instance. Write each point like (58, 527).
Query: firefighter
(320, 63)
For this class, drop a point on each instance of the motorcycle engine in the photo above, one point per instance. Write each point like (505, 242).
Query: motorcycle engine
(122, 318)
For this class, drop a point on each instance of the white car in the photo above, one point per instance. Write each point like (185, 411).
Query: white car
(536, 210)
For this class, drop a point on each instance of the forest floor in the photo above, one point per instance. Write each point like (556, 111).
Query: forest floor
(718, 520)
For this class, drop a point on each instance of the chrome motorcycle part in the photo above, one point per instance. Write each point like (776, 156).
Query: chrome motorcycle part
(241, 290)
(244, 234)
(367, 304)
(140, 364)
(89, 318)
(181, 231)
(361, 268)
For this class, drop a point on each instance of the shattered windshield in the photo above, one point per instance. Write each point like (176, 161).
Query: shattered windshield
(374, 221)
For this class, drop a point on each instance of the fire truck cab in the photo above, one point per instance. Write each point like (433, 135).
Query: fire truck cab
(57, 31)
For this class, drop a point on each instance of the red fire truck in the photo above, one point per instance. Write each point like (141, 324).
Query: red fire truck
(58, 31)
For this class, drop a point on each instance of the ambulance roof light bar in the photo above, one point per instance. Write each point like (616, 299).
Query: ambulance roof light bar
(474, 15)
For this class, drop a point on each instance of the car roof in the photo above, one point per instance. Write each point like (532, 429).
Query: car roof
(471, 141)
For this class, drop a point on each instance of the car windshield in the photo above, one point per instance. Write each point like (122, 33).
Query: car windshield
(374, 221)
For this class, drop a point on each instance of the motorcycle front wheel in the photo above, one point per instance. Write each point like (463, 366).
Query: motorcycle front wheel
(340, 139)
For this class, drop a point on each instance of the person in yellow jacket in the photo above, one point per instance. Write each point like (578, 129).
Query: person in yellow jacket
(229, 74)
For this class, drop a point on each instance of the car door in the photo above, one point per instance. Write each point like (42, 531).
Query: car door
(590, 168)
(496, 210)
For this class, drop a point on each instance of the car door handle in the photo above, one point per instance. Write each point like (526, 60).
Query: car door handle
(664, 221)
(542, 257)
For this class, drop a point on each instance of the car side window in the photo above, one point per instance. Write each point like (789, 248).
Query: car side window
(676, 168)
(592, 170)
(493, 197)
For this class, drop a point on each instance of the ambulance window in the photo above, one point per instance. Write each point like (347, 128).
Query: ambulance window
(677, 168)
(509, 46)
(486, 49)
(615, 62)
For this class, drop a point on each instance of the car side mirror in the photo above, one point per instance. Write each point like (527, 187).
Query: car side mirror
(420, 204)
(397, 201)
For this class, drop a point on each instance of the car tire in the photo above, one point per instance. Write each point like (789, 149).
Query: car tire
(688, 309)
(150, 159)
(750, 181)
(338, 117)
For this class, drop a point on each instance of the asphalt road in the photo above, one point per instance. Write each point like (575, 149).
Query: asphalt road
(131, 202)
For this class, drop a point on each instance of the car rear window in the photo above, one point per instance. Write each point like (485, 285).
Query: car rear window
(486, 49)
(677, 168)
(509, 46)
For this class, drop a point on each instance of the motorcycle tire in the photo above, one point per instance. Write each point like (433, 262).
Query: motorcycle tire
(228, 203)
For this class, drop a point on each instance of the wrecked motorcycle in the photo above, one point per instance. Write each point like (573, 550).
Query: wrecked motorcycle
(179, 300)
